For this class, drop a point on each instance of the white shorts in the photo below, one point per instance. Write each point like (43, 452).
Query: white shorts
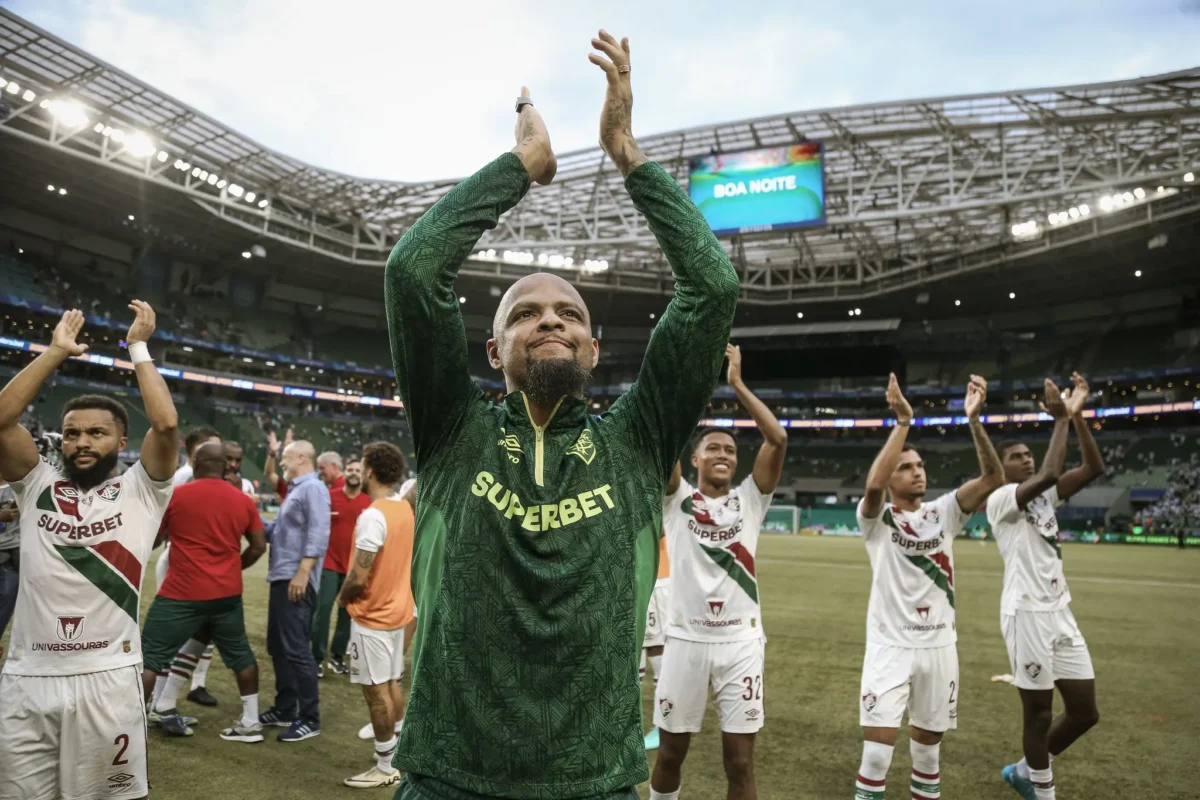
(160, 568)
(923, 680)
(1045, 646)
(656, 614)
(376, 657)
(73, 737)
(733, 671)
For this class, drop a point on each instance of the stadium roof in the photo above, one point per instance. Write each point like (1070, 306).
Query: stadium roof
(916, 190)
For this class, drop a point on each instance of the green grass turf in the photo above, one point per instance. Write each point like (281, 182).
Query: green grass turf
(1138, 608)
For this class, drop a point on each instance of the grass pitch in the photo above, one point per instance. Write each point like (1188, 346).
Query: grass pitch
(1138, 608)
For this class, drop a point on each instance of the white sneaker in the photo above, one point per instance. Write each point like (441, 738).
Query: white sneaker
(368, 731)
(373, 779)
(243, 733)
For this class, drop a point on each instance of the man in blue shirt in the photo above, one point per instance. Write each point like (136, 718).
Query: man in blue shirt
(298, 538)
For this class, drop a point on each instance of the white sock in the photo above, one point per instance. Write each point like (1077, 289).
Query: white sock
(664, 795)
(383, 755)
(181, 672)
(926, 779)
(200, 676)
(1023, 767)
(872, 772)
(250, 710)
(160, 683)
(1043, 783)
(642, 667)
(656, 666)
(399, 724)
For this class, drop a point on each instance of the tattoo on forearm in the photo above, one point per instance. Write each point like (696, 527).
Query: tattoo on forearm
(989, 462)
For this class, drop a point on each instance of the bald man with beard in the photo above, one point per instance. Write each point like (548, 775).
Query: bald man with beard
(538, 523)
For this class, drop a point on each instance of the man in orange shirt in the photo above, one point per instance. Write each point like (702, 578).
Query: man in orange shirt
(378, 596)
(656, 625)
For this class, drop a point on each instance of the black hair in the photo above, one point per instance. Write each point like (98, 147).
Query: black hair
(197, 436)
(1006, 445)
(102, 402)
(907, 447)
(730, 432)
(386, 462)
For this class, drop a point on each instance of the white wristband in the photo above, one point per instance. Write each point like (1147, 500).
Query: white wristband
(139, 353)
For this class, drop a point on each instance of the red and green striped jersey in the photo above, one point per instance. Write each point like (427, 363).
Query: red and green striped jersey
(536, 546)
(714, 583)
(82, 558)
(912, 565)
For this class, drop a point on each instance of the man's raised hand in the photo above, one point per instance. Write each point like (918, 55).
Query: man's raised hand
(616, 118)
(533, 143)
(67, 331)
(143, 322)
(1076, 397)
(895, 399)
(976, 395)
(734, 354)
(1053, 405)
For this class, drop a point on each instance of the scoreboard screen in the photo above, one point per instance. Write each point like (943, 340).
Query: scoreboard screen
(768, 189)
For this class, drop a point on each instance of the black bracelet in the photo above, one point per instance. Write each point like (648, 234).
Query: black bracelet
(523, 101)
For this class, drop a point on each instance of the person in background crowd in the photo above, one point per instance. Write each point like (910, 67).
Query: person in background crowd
(270, 477)
(299, 537)
(329, 465)
(233, 470)
(346, 503)
(207, 520)
(10, 553)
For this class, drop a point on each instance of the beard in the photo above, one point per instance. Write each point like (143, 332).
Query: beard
(354, 483)
(548, 379)
(96, 474)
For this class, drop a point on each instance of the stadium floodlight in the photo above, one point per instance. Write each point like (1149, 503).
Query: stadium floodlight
(131, 217)
(1127, 197)
(858, 312)
(1084, 209)
(106, 131)
(29, 96)
(140, 146)
(13, 88)
(221, 183)
(50, 187)
(1073, 211)
(1052, 218)
(185, 166)
(44, 104)
(462, 300)
(99, 127)
(262, 203)
(1139, 193)
(245, 254)
(850, 313)
(958, 302)
(163, 156)
(258, 251)
(195, 172)
(1012, 295)
(203, 174)
(1106, 203)
(1189, 177)
(62, 190)
(1137, 273)
(69, 113)
(247, 359)
(118, 136)
(651, 315)
(799, 315)
(212, 179)
(249, 197)
(236, 190)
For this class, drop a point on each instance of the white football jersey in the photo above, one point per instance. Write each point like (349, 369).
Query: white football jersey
(712, 541)
(1028, 540)
(912, 565)
(82, 556)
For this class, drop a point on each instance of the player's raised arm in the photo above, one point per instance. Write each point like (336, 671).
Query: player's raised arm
(1093, 463)
(889, 456)
(675, 479)
(972, 493)
(683, 360)
(18, 451)
(768, 465)
(160, 447)
(1056, 453)
(429, 343)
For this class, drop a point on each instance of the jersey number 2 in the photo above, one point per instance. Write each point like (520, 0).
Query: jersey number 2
(123, 740)
(753, 688)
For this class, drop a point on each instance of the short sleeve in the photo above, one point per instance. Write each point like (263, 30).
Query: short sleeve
(955, 519)
(1052, 495)
(370, 532)
(253, 520)
(28, 488)
(1002, 505)
(754, 501)
(870, 526)
(672, 503)
(153, 495)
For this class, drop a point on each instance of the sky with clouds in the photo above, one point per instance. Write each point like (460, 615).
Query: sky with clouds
(417, 90)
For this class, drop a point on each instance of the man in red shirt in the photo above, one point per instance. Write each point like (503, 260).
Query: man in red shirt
(205, 522)
(347, 501)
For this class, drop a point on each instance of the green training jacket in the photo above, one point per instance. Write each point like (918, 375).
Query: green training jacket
(536, 547)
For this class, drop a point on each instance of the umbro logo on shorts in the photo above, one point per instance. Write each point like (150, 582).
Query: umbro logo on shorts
(752, 713)
(121, 780)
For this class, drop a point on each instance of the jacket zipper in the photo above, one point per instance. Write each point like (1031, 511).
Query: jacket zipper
(539, 435)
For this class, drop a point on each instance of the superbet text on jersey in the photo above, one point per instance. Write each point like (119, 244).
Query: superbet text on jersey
(912, 561)
(82, 557)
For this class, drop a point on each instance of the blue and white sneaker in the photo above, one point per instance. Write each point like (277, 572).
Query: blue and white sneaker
(651, 740)
(274, 718)
(300, 730)
(1022, 786)
(155, 717)
(173, 724)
